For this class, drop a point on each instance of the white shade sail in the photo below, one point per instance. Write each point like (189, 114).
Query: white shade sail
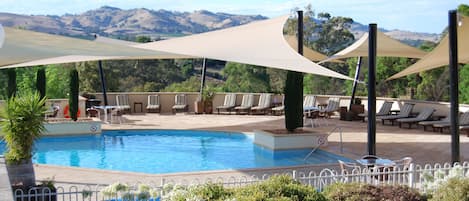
(29, 46)
(440, 55)
(258, 43)
(308, 53)
(386, 46)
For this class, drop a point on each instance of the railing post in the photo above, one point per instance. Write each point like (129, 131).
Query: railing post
(411, 175)
(294, 175)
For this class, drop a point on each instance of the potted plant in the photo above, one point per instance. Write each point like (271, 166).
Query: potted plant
(23, 122)
(207, 98)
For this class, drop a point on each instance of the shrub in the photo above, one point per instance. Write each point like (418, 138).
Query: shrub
(278, 188)
(359, 192)
(453, 189)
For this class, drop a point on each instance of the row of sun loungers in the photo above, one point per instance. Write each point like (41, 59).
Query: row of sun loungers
(423, 118)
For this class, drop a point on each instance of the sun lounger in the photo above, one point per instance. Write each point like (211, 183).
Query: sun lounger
(422, 116)
(383, 111)
(464, 129)
(180, 103)
(264, 104)
(425, 124)
(463, 121)
(332, 106)
(122, 102)
(228, 104)
(246, 104)
(309, 105)
(153, 103)
(404, 113)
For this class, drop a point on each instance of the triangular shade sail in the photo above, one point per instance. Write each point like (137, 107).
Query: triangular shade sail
(27, 46)
(259, 43)
(440, 55)
(308, 53)
(386, 46)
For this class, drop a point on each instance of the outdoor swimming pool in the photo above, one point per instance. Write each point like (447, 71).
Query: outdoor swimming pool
(167, 151)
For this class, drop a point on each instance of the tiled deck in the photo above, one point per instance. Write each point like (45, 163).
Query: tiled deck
(392, 142)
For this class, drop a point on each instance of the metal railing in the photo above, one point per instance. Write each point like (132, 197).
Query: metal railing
(414, 176)
(324, 141)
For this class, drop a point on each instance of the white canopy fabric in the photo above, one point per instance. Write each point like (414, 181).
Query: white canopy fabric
(440, 55)
(386, 46)
(308, 53)
(27, 46)
(258, 43)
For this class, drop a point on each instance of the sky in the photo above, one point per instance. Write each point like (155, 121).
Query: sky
(430, 16)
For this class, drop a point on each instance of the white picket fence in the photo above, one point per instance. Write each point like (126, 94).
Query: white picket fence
(415, 176)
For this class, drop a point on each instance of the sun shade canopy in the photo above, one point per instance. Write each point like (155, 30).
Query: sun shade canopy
(28, 46)
(386, 46)
(258, 43)
(440, 55)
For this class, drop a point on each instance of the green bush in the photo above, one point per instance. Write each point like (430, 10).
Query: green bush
(362, 192)
(278, 188)
(453, 189)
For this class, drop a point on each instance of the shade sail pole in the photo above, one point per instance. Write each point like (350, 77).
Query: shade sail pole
(355, 82)
(103, 82)
(371, 89)
(454, 88)
(202, 78)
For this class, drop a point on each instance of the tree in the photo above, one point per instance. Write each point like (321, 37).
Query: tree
(328, 35)
(464, 84)
(293, 101)
(41, 82)
(73, 96)
(245, 78)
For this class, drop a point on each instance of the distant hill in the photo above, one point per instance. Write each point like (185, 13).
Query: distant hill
(110, 21)
(117, 22)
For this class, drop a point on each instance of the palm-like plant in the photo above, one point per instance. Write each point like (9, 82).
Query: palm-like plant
(22, 124)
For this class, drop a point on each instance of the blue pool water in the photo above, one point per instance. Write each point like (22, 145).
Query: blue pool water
(167, 151)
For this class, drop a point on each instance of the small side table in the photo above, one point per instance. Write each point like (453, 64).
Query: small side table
(141, 106)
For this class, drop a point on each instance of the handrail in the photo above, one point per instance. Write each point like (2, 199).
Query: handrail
(322, 142)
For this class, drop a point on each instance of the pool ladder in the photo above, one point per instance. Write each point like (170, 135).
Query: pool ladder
(322, 142)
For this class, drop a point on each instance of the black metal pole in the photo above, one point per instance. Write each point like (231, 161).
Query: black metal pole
(454, 91)
(300, 32)
(202, 78)
(355, 82)
(371, 89)
(103, 82)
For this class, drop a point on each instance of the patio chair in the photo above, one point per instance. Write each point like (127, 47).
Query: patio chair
(180, 103)
(122, 102)
(463, 121)
(309, 105)
(348, 167)
(246, 104)
(404, 113)
(264, 104)
(93, 112)
(422, 116)
(55, 111)
(153, 103)
(403, 163)
(116, 114)
(228, 104)
(332, 106)
(383, 111)
(425, 124)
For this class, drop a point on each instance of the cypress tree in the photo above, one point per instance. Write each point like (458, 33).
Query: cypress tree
(11, 89)
(73, 95)
(293, 101)
(41, 82)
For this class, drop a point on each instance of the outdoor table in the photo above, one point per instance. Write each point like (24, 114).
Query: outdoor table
(105, 108)
(383, 165)
(376, 162)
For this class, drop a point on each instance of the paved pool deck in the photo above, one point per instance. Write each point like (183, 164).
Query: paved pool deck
(391, 142)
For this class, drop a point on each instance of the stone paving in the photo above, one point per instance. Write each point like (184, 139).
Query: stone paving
(392, 142)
